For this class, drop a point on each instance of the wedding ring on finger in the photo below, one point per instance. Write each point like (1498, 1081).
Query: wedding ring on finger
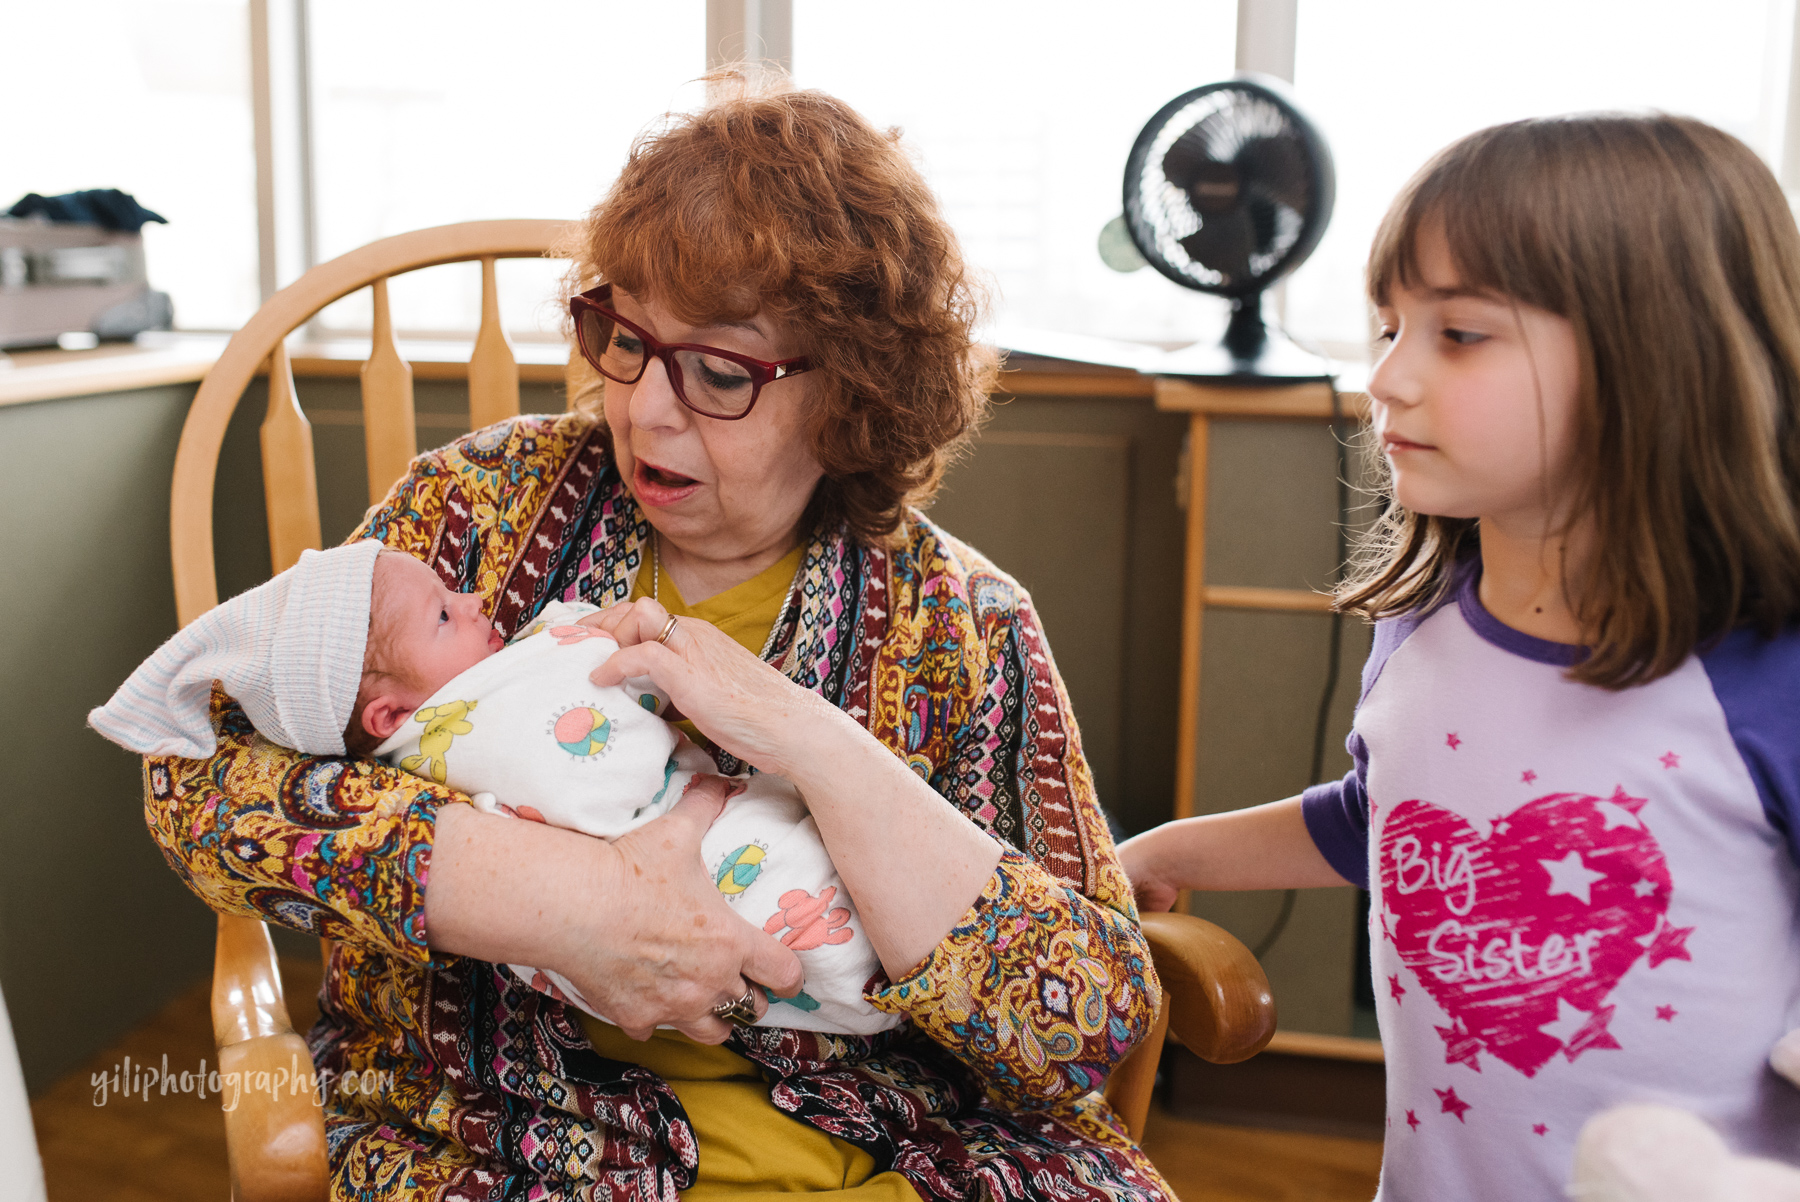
(667, 630)
(741, 1012)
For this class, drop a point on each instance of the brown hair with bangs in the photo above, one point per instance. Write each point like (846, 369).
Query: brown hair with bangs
(1670, 249)
(789, 203)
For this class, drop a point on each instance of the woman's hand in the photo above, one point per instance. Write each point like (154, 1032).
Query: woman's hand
(635, 924)
(741, 703)
(913, 862)
(683, 950)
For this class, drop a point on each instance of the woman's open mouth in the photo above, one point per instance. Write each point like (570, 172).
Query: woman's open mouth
(1392, 443)
(659, 486)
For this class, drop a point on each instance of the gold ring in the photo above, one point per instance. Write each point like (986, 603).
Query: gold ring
(668, 629)
(742, 1011)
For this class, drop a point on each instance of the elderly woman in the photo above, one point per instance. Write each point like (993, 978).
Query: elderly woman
(782, 321)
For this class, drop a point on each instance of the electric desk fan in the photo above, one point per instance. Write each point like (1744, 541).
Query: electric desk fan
(1227, 190)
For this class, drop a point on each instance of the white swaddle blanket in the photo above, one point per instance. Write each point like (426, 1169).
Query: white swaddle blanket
(527, 735)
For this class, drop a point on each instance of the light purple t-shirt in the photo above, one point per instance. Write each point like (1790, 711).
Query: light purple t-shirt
(1579, 897)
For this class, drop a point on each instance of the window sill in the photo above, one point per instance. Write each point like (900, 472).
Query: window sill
(154, 360)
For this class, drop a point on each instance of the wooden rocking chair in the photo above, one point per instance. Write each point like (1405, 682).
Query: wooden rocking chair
(1218, 999)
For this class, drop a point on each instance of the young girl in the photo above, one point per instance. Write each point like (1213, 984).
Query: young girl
(1577, 751)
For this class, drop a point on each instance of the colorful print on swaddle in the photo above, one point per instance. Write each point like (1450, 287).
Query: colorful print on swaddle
(740, 868)
(442, 724)
(580, 730)
(809, 921)
(568, 636)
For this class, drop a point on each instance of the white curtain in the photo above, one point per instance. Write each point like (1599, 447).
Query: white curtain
(21, 1172)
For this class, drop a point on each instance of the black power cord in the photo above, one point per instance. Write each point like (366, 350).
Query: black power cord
(1322, 717)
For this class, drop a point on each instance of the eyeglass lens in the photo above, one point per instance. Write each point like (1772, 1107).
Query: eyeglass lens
(706, 382)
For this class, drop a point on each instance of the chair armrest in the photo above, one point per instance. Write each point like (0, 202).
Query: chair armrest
(274, 1134)
(1218, 998)
(1215, 998)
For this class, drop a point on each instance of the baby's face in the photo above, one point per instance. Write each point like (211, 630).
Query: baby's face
(431, 633)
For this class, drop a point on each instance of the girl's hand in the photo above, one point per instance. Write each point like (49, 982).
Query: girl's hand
(1155, 888)
(743, 704)
(673, 948)
(1263, 847)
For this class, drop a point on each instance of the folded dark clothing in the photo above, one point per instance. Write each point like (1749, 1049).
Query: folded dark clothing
(107, 207)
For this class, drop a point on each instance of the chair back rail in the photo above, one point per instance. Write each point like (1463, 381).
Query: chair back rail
(276, 1141)
(494, 388)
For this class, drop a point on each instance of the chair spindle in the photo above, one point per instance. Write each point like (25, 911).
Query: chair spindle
(390, 439)
(579, 378)
(290, 489)
(493, 372)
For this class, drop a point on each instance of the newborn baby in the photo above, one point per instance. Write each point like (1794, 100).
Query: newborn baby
(365, 650)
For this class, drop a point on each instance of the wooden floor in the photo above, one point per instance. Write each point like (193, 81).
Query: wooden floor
(172, 1148)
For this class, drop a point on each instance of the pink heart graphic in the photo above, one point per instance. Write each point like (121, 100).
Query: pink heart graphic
(1520, 934)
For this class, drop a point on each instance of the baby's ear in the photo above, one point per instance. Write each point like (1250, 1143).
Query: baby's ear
(384, 715)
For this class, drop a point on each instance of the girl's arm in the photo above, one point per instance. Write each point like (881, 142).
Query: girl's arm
(1265, 847)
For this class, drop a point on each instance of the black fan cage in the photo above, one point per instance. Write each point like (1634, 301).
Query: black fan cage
(1234, 173)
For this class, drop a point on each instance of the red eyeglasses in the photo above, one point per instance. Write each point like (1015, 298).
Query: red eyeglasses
(710, 381)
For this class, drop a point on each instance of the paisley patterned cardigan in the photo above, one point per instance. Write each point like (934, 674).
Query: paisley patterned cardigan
(985, 1092)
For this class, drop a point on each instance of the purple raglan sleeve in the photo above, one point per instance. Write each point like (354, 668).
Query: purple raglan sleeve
(1337, 818)
(1337, 812)
(1757, 682)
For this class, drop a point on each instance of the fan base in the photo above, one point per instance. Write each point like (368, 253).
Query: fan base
(1276, 362)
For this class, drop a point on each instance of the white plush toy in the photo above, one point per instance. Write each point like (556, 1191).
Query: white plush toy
(1662, 1154)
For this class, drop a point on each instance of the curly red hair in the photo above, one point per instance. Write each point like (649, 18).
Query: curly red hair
(790, 203)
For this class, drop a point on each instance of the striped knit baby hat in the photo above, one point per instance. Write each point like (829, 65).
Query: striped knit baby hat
(289, 651)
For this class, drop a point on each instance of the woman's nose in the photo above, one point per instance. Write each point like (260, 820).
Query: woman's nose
(653, 401)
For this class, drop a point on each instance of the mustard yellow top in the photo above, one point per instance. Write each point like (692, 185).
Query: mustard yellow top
(749, 1150)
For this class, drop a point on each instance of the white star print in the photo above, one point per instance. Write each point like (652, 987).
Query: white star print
(1617, 815)
(1569, 875)
(1569, 1019)
(1645, 887)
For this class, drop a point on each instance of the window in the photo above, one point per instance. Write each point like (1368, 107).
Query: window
(1022, 117)
(153, 99)
(1392, 81)
(463, 110)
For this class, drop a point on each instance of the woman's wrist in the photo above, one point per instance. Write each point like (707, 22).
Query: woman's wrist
(912, 859)
(479, 904)
(807, 739)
